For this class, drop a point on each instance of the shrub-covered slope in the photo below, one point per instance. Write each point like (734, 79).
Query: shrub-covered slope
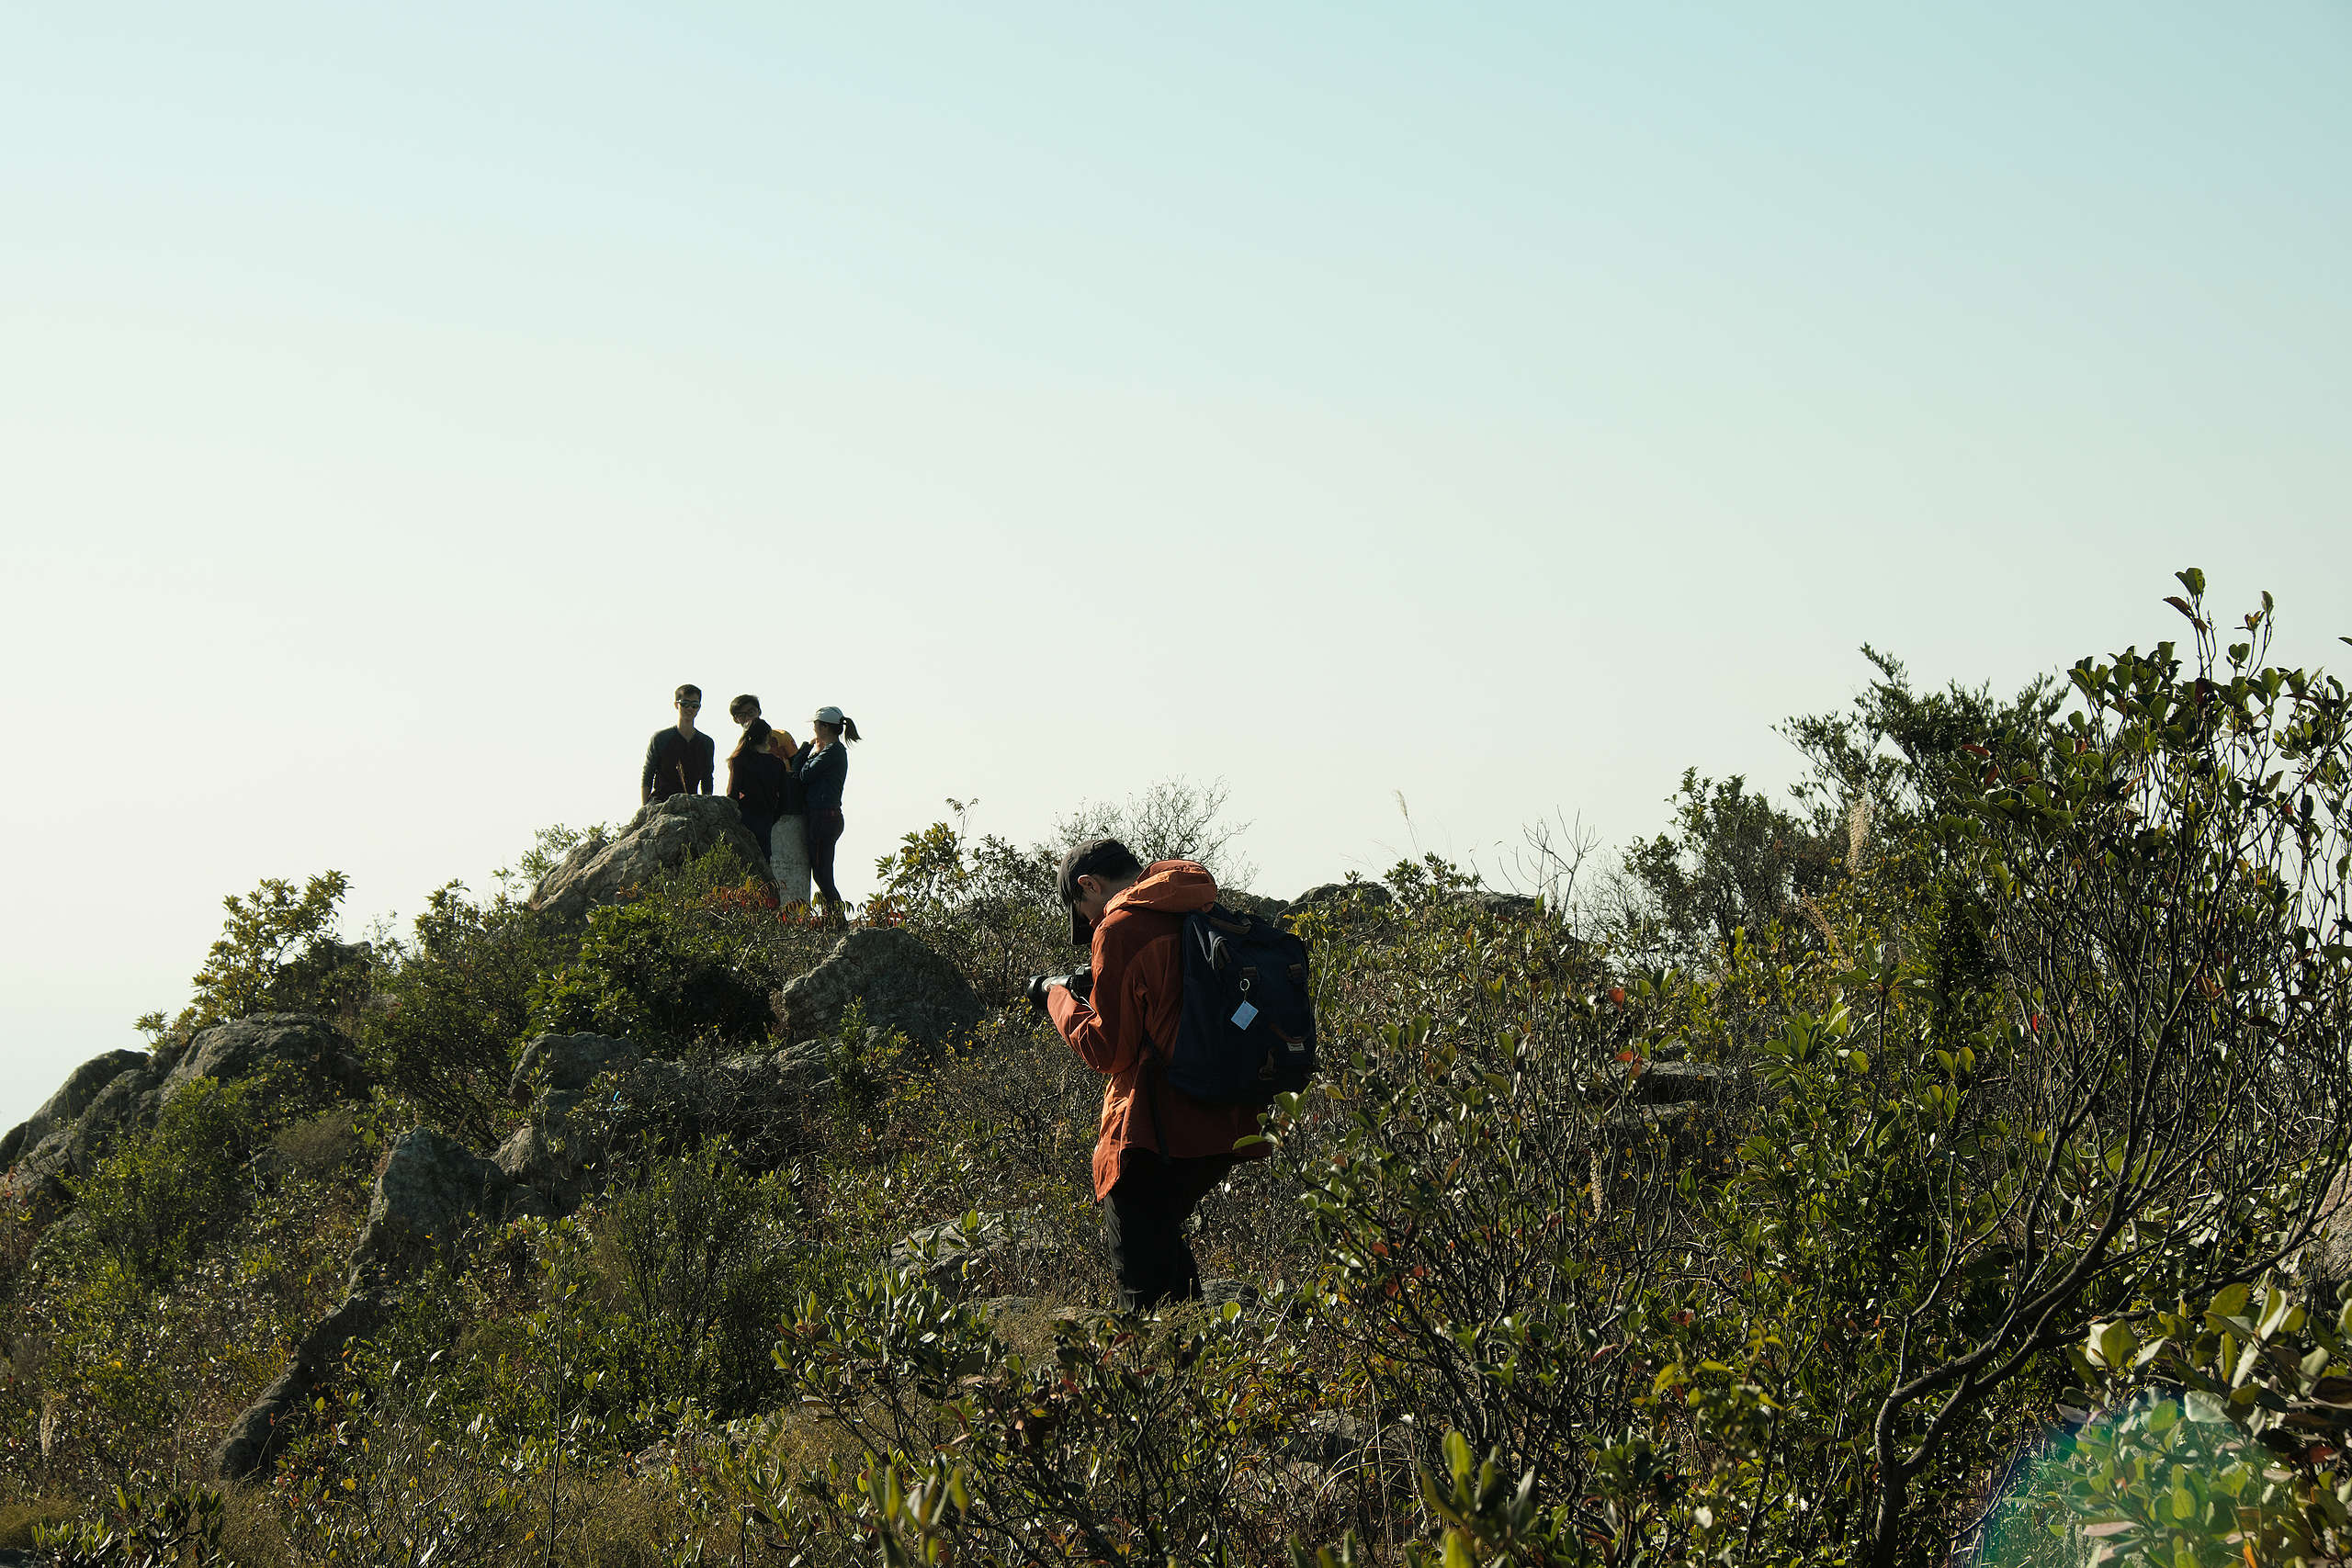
(1786, 1194)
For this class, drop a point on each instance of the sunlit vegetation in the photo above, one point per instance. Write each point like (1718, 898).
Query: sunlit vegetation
(1939, 1160)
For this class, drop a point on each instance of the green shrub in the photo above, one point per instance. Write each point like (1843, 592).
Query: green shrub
(669, 971)
(155, 1199)
(19, 1521)
(707, 1270)
(453, 1004)
(278, 954)
(1129, 1441)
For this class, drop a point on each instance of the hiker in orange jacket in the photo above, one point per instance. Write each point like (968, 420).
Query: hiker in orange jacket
(1122, 1025)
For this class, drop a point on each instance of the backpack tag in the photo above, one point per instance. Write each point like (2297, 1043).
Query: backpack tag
(1243, 1014)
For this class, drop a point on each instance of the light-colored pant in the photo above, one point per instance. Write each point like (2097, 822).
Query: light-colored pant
(788, 859)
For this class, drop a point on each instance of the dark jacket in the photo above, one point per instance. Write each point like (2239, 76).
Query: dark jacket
(1125, 1027)
(674, 765)
(755, 782)
(822, 775)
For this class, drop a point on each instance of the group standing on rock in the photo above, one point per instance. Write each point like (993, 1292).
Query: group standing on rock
(790, 795)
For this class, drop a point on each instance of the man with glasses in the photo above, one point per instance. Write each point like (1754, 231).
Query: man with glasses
(678, 759)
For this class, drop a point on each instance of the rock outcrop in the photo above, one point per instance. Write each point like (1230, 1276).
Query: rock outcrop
(548, 1153)
(905, 987)
(299, 1041)
(433, 1192)
(756, 1099)
(661, 837)
(66, 1106)
(1341, 894)
(125, 1091)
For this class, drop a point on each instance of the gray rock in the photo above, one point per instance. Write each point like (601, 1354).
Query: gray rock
(256, 1435)
(1682, 1083)
(1331, 1438)
(661, 837)
(1256, 904)
(1504, 906)
(559, 1065)
(432, 1190)
(134, 1094)
(1341, 894)
(1217, 1293)
(303, 1042)
(559, 1153)
(432, 1194)
(128, 1102)
(546, 1154)
(906, 987)
(66, 1106)
(2328, 1255)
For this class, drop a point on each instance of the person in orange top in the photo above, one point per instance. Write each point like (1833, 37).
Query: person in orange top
(1133, 915)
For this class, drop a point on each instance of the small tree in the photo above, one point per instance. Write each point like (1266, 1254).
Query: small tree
(277, 952)
(1176, 819)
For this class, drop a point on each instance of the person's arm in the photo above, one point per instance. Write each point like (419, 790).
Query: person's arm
(827, 771)
(652, 766)
(735, 779)
(1107, 1030)
(709, 750)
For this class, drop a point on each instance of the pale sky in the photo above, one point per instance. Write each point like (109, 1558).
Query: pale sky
(1504, 405)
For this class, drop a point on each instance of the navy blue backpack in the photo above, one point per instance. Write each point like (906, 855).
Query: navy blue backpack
(1247, 1032)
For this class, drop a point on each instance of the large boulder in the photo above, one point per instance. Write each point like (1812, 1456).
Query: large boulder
(548, 1153)
(556, 1068)
(67, 1137)
(1340, 895)
(432, 1188)
(756, 1101)
(301, 1041)
(66, 1106)
(905, 987)
(431, 1196)
(661, 837)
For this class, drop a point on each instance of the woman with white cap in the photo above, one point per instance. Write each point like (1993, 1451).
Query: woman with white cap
(823, 766)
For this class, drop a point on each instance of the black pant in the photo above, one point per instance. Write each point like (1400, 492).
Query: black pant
(825, 837)
(1144, 1220)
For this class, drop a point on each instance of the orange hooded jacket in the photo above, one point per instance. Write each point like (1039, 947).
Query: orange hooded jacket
(1129, 1022)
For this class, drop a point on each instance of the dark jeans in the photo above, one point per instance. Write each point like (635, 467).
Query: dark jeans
(1144, 1220)
(824, 837)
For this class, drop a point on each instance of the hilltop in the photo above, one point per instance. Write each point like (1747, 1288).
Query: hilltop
(1766, 1196)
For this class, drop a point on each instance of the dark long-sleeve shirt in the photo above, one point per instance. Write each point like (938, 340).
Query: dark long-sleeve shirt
(675, 765)
(756, 782)
(822, 775)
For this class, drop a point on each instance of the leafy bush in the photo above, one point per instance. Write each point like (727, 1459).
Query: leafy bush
(1764, 1218)
(278, 954)
(705, 1270)
(454, 1003)
(669, 971)
(154, 1201)
(1130, 1441)
(2225, 1434)
(989, 908)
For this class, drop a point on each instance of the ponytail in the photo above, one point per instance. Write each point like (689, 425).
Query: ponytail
(849, 728)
